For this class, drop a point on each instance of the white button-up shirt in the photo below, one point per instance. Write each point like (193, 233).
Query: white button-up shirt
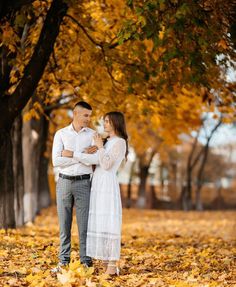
(69, 139)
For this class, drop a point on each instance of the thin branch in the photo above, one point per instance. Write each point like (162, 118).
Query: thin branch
(190, 164)
(99, 44)
(84, 30)
(56, 104)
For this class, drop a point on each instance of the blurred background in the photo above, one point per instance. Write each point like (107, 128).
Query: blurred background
(202, 164)
(169, 66)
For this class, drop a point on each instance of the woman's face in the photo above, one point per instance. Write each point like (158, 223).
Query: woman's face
(107, 125)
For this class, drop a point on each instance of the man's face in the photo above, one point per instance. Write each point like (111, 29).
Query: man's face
(82, 116)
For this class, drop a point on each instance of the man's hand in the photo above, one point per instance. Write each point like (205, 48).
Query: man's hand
(67, 153)
(91, 149)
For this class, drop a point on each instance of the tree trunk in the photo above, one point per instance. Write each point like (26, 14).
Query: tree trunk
(7, 216)
(186, 193)
(199, 205)
(189, 189)
(141, 202)
(31, 171)
(144, 163)
(161, 179)
(219, 200)
(172, 184)
(129, 189)
(37, 195)
(18, 171)
(43, 184)
(12, 105)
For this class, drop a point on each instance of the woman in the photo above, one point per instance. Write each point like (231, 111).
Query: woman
(105, 211)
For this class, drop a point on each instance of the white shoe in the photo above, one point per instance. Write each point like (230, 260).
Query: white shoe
(59, 267)
(117, 272)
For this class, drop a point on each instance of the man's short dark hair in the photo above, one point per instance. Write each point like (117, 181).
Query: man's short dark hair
(83, 105)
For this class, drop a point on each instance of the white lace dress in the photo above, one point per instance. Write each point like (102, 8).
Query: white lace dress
(105, 210)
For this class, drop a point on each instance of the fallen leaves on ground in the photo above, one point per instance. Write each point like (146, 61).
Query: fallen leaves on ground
(159, 248)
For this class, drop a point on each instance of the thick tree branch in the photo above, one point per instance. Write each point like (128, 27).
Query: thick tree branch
(35, 68)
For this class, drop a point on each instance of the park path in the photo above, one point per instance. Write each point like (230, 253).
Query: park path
(159, 248)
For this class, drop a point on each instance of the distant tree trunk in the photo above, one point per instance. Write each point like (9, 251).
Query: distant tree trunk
(164, 178)
(37, 194)
(172, 188)
(199, 205)
(144, 165)
(161, 179)
(31, 154)
(129, 188)
(143, 174)
(219, 200)
(188, 197)
(186, 193)
(153, 202)
(43, 184)
(18, 171)
(199, 184)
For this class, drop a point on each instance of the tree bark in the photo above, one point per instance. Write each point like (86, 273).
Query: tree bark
(144, 164)
(186, 194)
(129, 189)
(37, 195)
(143, 174)
(7, 216)
(172, 185)
(18, 171)
(43, 184)
(31, 154)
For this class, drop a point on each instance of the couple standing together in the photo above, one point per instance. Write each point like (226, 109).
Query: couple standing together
(98, 204)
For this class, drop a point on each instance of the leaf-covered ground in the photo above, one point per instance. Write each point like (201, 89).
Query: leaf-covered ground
(159, 248)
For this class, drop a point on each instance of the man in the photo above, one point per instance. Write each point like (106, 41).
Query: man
(73, 186)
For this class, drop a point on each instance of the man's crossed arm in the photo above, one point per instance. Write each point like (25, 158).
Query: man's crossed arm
(62, 157)
(89, 150)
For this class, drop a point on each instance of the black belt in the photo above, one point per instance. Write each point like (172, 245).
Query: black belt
(75, 177)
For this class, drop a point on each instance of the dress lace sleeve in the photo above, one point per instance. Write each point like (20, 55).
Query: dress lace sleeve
(107, 159)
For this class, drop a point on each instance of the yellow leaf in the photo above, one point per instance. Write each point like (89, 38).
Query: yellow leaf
(74, 265)
(222, 43)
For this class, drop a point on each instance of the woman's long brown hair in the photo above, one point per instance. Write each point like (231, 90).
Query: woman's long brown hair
(117, 121)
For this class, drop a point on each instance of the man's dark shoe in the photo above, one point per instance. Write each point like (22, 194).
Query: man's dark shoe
(87, 264)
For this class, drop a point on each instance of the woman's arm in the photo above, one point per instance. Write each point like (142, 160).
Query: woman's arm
(107, 159)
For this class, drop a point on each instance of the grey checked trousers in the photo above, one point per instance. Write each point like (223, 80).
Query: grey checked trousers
(70, 193)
